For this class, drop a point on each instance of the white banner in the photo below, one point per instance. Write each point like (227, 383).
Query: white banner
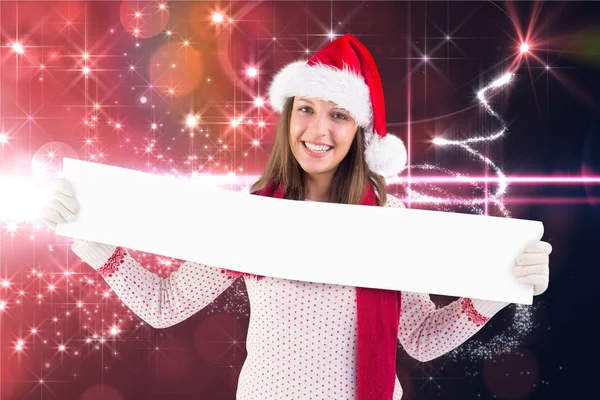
(388, 248)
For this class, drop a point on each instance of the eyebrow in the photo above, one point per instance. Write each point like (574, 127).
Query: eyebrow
(335, 108)
(306, 100)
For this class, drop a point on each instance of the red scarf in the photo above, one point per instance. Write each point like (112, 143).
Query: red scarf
(378, 315)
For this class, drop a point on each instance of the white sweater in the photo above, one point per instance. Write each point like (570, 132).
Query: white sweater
(301, 340)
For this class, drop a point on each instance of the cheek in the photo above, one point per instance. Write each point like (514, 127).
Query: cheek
(344, 137)
(296, 129)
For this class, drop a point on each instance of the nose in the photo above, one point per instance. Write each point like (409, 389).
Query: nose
(320, 124)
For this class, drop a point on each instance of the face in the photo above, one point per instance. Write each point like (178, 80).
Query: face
(320, 135)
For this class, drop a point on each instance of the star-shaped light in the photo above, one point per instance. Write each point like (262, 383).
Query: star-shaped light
(18, 48)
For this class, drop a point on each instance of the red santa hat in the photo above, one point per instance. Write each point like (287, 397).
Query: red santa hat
(345, 73)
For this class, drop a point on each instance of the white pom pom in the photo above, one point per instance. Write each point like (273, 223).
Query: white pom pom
(386, 156)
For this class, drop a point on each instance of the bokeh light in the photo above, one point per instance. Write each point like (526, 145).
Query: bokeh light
(144, 19)
(176, 66)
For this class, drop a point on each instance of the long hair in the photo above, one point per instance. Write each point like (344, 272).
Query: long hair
(349, 181)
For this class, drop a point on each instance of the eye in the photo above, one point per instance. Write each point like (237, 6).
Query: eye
(340, 116)
(307, 108)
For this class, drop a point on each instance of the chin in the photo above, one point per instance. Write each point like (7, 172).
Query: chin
(315, 169)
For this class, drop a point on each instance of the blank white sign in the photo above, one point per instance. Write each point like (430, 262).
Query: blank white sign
(388, 248)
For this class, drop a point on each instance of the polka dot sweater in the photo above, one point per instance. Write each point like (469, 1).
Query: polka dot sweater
(301, 338)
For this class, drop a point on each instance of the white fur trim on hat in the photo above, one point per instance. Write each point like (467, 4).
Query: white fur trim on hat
(343, 87)
(386, 156)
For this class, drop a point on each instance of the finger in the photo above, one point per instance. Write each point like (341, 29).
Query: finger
(531, 270)
(63, 186)
(532, 258)
(62, 210)
(49, 224)
(52, 215)
(539, 247)
(69, 202)
(539, 282)
(536, 280)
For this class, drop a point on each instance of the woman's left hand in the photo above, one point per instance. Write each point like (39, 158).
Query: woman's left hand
(532, 266)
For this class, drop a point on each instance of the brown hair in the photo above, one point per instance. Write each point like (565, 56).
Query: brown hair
(349, 181)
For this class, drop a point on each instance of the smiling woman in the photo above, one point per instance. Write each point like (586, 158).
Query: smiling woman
(307, 339)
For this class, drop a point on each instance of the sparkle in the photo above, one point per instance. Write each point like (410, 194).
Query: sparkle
(251, 72)
(12, 227)
(503, 343)
(217, 17)
(524, 48)
(5, 283)
(259, 102)
(3, 138)
(18, 48)
(192, 120)
(478, 205)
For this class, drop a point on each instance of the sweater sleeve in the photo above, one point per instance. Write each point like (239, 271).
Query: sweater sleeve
(161, 302)
(427, 332)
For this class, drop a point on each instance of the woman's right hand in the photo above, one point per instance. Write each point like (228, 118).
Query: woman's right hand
(62, 206)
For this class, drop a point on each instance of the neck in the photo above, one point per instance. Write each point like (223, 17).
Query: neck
(317, 187)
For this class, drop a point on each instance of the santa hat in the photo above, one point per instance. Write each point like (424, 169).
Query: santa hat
(345, 73)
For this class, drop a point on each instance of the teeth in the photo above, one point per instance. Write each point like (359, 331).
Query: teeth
(313, 147)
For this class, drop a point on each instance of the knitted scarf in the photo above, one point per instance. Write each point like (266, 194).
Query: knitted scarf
(378, 315)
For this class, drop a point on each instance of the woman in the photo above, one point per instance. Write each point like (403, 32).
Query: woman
(307, 339)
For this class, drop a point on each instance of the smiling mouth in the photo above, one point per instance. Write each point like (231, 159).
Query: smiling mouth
(317, 148)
